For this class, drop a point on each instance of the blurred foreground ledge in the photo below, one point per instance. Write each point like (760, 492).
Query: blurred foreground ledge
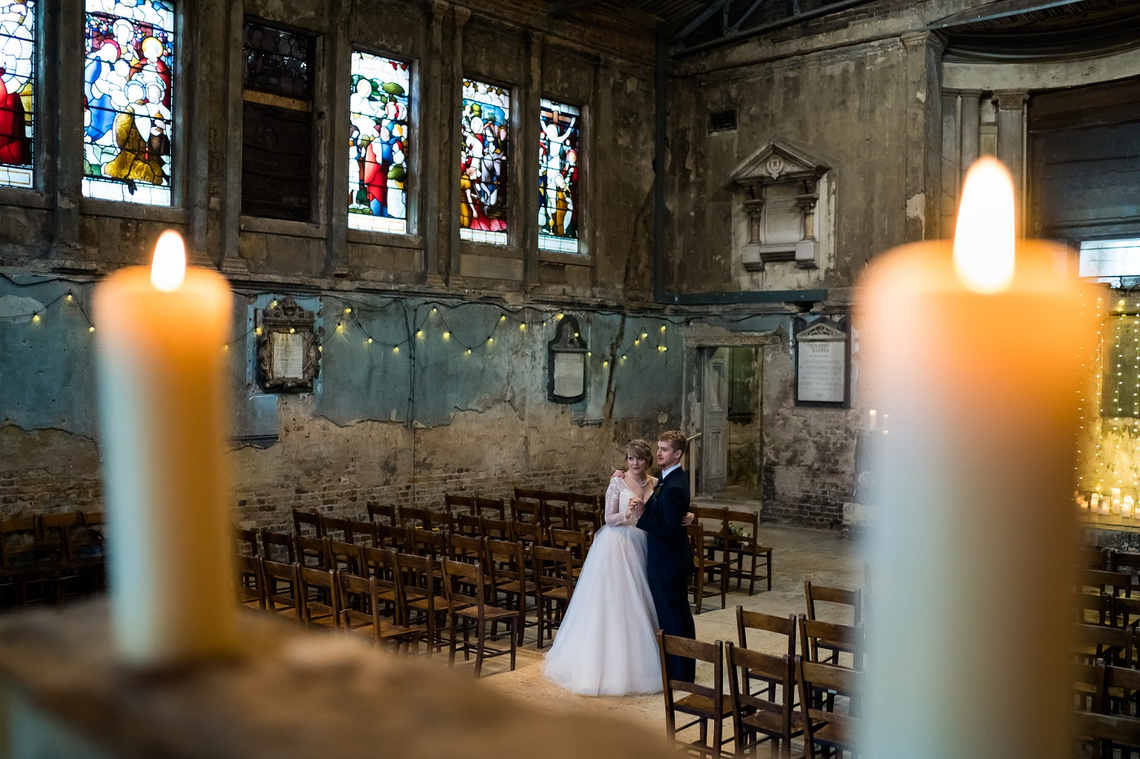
(291, 694)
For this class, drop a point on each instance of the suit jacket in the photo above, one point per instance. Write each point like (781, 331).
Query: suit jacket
(670, 556)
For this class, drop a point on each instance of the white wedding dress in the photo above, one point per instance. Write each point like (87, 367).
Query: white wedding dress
(607, 642)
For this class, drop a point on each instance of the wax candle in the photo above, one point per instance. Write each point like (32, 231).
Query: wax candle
(977, 354)
(1115, 492)
(162, 405)
(874, 419)
(1126, 506)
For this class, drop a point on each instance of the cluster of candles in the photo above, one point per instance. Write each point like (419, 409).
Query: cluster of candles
(1112, 503)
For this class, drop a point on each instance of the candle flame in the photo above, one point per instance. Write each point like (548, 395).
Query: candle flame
(169, 266)
(984, 237)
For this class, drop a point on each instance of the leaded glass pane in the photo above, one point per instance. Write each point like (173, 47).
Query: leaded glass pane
(378, 144)
(127, 89)
(484, 161)
(17, 83)
(277, 61)
(558, 207)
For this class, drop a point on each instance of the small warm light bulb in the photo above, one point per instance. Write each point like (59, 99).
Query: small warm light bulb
(984, 236)
(468, 351)
(370, 341)
(70, 297)
(90, 329)
(168, 269)
(663, 349)
(589, 354)
(434, 310)
(559, 317)
(348, 309)
(320, 349)
(339, 327)
(637, 341)
(490, 340)
(662, 327)
(395, 349)
(257, 331)
(226, 347)
(292, 330)
(502, 318)
(522, 327)
(273, 304)
(420, 334)
(644, 335)
(446, 335)
(35, 318)
(605, 364)
(576, 335)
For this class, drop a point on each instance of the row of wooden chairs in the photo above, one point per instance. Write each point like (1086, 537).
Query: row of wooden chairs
(47, 558)
(726, 544)
(478, 582)
(770, 697)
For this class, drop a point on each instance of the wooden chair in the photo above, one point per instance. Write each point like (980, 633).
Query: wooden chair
(360, 605)
(837, 605)
(496, 508)
(459, 504)
(394, 536)
(555, 509)
(427, 542)
(348, 557)
(282, 588)
(382, 513)
(530, 534)
(511, 582)
(307, 523)
(415, 516)
(467, 524)
(1093, 557)
(312, 552)
(53, 549)
(780, 631)
(576, 541)
(707, 570)
(586, 512)
(705, 704)
(250, 585)
(465, 548)
(495, 529)
(278, 546)
(553, 573)
(30, 570)
(1114, 645)
(769, 713)
(246, 541)
(835, 728)
(1106, 582)
(744, 550)
(364, 533)
(831, 643)
(1109, 733)
(320, 598)
(87, 550)
(526, 511)
(467, 610)
(714, 524)
(426, 603)
(336, 528)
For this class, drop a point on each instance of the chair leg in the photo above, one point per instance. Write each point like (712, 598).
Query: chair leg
(482, 646)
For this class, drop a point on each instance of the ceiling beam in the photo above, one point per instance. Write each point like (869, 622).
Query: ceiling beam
(566, 7)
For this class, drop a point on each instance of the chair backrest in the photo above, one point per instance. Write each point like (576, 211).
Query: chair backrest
(555, 508)
(382, 513)
(459, 504)
(776, 698)
(348, 557)
(713, 520)
(312, 552)
(526, 511)
(282, 587)
(307, 523)
(506, 561)
(497, 529)
(18, 542)
(1093, 557)
(465, 548)
(496, 507)
(821, 683)
(1118, 731)
(336, 528)
(320, 598)
(415, 516)
(250, 585)
(780, 626)
(586, 517)
(278, 546)
(428, 542)
(553, 568)
(459, 581)
(421, 578)
(529, 533)
(358, 602)
(710, 701)
(1115, 645)
(246, 541)
(363, 533)
(1106, 582)
(743, 526)
(467, 524)
(835, 639)
(394, 536)
(849, 609)
(577, 541)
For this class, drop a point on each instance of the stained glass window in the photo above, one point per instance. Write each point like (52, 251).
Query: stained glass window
(378, 144)
(127, 92)
(17, 82)
(483, 163)
(558, 152)
(277, 123)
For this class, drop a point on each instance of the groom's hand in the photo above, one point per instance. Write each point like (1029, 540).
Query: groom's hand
(618, 473)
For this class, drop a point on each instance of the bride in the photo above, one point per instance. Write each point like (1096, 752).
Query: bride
(607, 645)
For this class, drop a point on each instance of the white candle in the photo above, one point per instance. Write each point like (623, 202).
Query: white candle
(162, 399)
(1115, 500)
(874, 419)
(1126, 506)
(980, 372)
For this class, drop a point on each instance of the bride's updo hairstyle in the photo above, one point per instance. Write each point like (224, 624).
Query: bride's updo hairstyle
(639, 449)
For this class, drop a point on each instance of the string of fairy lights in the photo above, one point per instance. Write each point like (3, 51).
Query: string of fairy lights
(428, 320)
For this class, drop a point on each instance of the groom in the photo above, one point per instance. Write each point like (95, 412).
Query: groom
(670, 557)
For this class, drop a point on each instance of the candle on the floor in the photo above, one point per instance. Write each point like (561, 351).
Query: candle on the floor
(160, 334)
(977, 354)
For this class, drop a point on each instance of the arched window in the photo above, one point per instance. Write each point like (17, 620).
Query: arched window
(128, 89)
(378, 177)
(17, 86)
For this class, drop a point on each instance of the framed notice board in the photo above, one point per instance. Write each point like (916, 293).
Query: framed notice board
(823, 361)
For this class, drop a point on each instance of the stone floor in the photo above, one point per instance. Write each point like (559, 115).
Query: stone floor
(798, 554)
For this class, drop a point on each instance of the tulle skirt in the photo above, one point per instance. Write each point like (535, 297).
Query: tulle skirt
(607, 644)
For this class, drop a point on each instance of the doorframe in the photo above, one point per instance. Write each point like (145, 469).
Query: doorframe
(698, 337)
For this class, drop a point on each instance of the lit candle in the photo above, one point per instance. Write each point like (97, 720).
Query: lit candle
(1126, 506)
(163, 418)
(874, 419)
(1115, 500)
(977, 354)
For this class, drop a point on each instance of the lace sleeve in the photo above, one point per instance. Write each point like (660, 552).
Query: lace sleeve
(613, 502)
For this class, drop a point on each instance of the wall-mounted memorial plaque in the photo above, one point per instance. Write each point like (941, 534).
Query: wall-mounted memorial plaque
(822, 361)
(288, 358)
(567, 367)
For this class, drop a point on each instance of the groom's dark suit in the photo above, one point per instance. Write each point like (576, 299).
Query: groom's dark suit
(670, 563)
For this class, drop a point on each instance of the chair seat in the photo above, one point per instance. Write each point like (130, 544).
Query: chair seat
(769, 722)
(700, 706)
(832, 734)
(490, 613)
